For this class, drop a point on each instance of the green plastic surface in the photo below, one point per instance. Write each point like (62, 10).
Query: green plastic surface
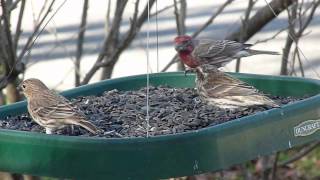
(208, 149)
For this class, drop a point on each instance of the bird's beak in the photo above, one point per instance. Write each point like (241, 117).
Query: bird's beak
(19, 88)
(179, 47)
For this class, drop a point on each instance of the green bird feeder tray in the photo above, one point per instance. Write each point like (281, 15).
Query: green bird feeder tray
(208, 149)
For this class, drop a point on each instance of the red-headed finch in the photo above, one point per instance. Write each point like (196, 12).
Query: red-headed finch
(221, 90)
(51, 110)
(195, 52)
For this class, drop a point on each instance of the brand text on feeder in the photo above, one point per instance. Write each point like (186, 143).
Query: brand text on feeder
(307, 128)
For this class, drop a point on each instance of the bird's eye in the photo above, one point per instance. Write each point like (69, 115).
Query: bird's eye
(23, 86)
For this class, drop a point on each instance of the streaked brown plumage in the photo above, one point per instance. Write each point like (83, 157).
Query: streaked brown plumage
(194, 52)
(220, 89)
(50, 110)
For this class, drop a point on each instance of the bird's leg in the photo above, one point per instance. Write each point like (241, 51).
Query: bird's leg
(49, 131)
(72, 129)
(191, 70)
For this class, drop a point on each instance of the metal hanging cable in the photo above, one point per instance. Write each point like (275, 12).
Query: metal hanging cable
(148, 73)
(157, 34)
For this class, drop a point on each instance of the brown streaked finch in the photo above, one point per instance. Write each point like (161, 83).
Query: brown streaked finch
(195, 52)
(221, 90)
(51, 110)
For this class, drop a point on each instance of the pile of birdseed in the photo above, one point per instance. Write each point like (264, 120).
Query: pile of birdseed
(122, 114)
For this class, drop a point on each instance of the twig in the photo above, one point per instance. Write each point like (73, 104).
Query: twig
(108, 16)
(298, 155)
(7, 25)
(41, 10)
(172, 61)
(196, 33)
(80, 41)
(30, 40)
(110, 42)
(244, 28)
(163, 9)
(293, 72)
(30, 43)
(309, 18)
(180, 16)
(212, 18)
(2, 99)
(135, 27)
(265, 161)
(274, 166)
(300, 62)
(270, 38)
(129, 36)
(295, 35)
(114, 40)
(18, 28)
(292, 15)
(263, 16)
(11, 7)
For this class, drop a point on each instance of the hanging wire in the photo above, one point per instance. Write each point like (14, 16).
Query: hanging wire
(291, 37)
(148, 83)
(157, 34)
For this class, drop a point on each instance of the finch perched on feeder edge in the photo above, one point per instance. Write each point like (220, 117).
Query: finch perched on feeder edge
(50, 110)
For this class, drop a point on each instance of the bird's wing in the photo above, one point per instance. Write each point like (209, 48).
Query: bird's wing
(57, 112)
(217, 48)
(221, 84)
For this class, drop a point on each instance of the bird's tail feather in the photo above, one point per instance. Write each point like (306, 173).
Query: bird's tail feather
(254, 52)
(271, 103)
(87, 125)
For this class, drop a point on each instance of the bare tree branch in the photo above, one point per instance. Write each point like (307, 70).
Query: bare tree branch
(106, 71)
(309, 18)
(271, 37)
(111, 40)
(300, 154)
(42, 10)
(13, 71)
(297, 16)
(274, 166)
(163, 9)
(18, 28)
(108, 16)
(299, 61)
(303, 152)
(135, 27)
(263, 16)
(30, 40)
(11, 7)
(244, 27)
(180, 15)
(212, 18)
(80, 41)
(292, 15)
(7, 29)
(292, 64)
(114, 53)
